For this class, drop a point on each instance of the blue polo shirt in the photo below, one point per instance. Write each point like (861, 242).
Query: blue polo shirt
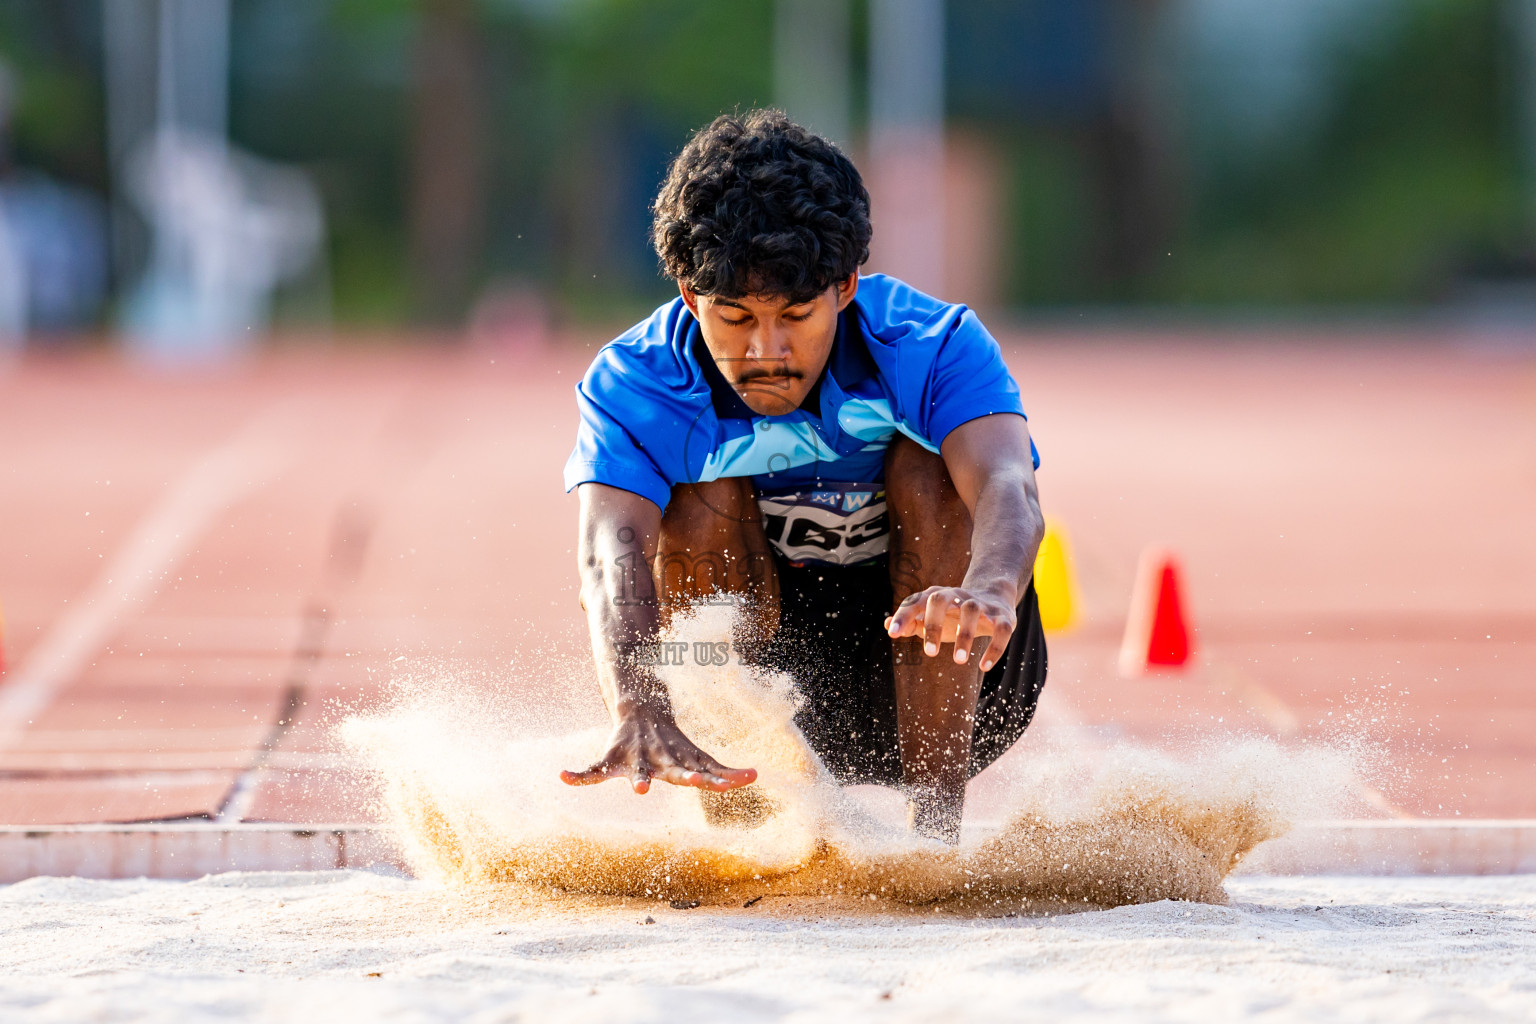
(655, 410)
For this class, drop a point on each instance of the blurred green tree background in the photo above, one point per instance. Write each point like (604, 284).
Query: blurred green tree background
(462, 145)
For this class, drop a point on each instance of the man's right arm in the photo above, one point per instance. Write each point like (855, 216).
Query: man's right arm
(619, 532)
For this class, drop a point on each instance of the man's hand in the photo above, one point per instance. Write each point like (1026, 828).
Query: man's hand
(619, 530)
(647, 744)
(955, 614)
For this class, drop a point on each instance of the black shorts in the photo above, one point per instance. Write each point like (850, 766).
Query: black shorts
(832, 641)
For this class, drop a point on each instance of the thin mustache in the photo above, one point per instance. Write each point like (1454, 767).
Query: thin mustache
(749, 377)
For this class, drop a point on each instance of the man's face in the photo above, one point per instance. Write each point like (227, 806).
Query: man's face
(769, 349)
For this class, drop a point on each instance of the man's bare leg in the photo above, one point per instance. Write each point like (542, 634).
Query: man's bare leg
(712, 544)
(935, 698)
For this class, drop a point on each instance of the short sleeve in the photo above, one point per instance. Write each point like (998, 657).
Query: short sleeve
(606, 453)
(969, 380)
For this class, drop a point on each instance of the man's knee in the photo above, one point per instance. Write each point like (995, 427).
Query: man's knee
(712, 542)
(914, 476)
(711, 506)
(930, 525)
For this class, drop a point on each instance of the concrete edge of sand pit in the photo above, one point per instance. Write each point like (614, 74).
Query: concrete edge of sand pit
(188, 849)
(194, 849)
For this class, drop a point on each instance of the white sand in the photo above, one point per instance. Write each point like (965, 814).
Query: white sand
(302, 947)
(542, 892)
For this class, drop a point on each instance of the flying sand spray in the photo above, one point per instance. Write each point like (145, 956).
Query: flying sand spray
(474, 798)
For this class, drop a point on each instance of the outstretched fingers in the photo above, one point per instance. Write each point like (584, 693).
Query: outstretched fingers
(708, 774)
(939, 606)
(599, 772)
(639, 776)
(697, 770)
(965, 633)
(1002, 632)
(722, 778)
(640, 779)
(908, 617)
(932, 613)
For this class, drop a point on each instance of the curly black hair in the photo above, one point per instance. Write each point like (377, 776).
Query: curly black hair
(757, 205)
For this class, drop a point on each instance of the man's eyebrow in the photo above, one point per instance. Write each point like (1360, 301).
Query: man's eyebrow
(787, 303)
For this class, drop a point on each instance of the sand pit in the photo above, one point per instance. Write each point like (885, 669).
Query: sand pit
(357, 946)
(470, 788)
(1097, 890)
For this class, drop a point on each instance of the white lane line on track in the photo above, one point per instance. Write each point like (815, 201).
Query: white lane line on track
(234, 470)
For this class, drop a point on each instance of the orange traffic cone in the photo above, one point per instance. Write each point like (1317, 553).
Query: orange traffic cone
(1156, 631)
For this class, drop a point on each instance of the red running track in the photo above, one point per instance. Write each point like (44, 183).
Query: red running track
(193, 570)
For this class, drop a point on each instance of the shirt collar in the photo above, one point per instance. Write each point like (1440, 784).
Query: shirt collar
(850, 361)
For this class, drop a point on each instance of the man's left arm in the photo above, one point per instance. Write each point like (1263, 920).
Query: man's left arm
(991, 463)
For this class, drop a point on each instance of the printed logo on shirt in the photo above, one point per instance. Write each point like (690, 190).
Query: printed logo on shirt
(854, 526)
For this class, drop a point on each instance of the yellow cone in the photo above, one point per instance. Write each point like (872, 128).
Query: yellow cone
(1054, 584)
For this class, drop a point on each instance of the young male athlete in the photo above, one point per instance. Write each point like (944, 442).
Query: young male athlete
(845, 455)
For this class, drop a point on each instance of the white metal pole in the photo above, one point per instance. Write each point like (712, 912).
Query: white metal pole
(906, 139)
(811, 64)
